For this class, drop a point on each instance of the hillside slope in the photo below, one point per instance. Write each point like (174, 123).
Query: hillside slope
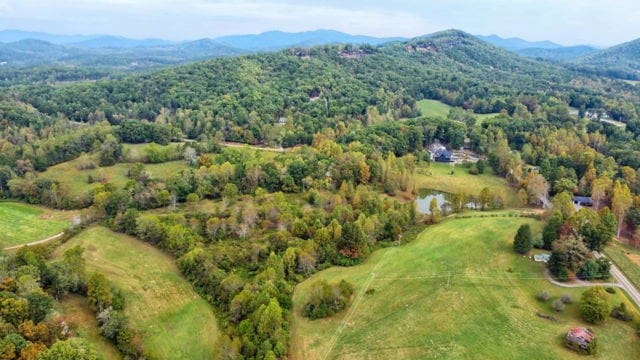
(621, 61)
(452, 66)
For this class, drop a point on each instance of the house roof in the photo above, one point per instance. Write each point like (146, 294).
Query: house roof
(580, 333)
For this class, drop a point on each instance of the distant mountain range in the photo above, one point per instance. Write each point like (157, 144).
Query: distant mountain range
(515, 44)
(276, 40)
(267, 41)
(24, 48)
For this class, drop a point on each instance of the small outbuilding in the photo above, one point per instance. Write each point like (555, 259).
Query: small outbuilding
(581, 339)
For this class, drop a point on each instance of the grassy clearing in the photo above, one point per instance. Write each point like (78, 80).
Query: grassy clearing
(482, 311)
(437, 176)
(77, 314)
(138, 152)
(75, 180)
(21, 223)
(174, 321)
(437, 108)
(627, 259)
(433, 108)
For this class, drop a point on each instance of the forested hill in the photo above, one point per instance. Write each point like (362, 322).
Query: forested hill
(245, 96)
(621, 61)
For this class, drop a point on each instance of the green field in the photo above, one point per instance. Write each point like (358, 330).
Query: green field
(433, 108)
(437, 176)
(75, 180)
(457, 292)
(174, 321)
(627, 259)
(138, 152)
(75, 311)
(22, 223)
(437, 108)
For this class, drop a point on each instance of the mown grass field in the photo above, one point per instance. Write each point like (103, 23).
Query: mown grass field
(174, 321)
(76, 312)
(627, 259)
(437, 176)
(76, 181)
(437, 108)
(22, 223)
(457, 292)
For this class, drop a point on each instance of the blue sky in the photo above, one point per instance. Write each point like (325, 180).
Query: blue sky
(563, 21)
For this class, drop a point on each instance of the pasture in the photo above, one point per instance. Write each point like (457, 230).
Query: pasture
(457, 292)
(22, 223)
(175, 323)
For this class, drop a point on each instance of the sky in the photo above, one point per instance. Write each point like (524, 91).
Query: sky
(567, 22)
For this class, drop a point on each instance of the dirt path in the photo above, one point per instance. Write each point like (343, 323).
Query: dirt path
(35, 242)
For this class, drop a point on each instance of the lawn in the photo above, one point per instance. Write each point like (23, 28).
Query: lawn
(174, 321)
(76, 180)
(75, 311)
(22, 223)
(457, 292)
(437, 176)
(627, 259)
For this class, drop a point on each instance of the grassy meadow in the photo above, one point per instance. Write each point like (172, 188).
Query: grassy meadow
(437, 176)
(457, 292)
(175, 323)
(75, 311)
(22, 223)
(437, 108)
(627, 259)
(76, 182)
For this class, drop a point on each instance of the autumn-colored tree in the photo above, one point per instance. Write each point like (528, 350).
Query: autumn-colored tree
(599, 189)
(32, 350)
(621, 201)
(98, 292)
(434, 210)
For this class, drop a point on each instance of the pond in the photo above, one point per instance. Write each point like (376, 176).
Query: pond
(444, 199)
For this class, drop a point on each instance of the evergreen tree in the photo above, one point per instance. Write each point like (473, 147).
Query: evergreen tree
(523, 241)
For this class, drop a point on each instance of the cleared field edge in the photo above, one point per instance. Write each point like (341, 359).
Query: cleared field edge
(21, 223)
(155, 321)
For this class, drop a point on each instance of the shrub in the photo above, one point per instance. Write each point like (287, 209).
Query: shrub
(567, 299)
(193, 197)
(543, 296)
(610, 290)
(621, 312)
(558, 305)
(326, 300)
(594, 306)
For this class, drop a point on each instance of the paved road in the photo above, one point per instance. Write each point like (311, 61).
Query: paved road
(627, 285)
(35, 242)
(621, 282)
